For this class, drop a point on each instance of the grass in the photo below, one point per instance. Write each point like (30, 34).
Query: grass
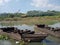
(4, 37)
(31, 20)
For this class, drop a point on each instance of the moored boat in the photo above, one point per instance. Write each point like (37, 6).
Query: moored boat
(34, 37)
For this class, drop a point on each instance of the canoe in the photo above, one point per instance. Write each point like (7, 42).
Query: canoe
(34, 37)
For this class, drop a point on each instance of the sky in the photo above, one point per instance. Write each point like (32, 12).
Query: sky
(12, 6)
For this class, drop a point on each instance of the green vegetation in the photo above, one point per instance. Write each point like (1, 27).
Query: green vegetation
(31, 17)
(31, 20)
(22, 42)
(4, 37)
(32, 13)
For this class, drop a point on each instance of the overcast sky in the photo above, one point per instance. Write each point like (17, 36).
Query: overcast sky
(26, 5)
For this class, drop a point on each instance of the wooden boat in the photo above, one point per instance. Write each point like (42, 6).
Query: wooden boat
(51, 31)
(26, 32)
(8, 29)
(34, 37)
(47, 27)
(40, 25)
(15, 30)
(55, 29)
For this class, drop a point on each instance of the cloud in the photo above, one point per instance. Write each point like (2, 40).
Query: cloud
(2, 2)
(44, 4)
(38, 3)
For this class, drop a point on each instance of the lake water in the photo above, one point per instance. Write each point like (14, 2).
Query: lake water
(6, 42)
(53, 41)
(48, 41)
(44, 42)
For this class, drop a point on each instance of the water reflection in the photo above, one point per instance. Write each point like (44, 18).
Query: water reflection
(45, 42)
(35, 43)
(49, 42)
(5, 42)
